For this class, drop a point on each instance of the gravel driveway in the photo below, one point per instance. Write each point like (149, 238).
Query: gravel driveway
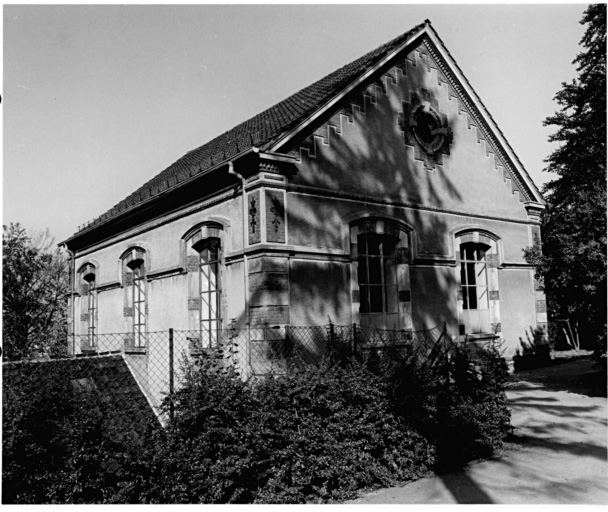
(559, 456)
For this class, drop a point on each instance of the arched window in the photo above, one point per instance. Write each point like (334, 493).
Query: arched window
(380, 252)
(135, 286)
(88, 315)
(377, 277)
(474, 276)
(478, 297)
(204, 257)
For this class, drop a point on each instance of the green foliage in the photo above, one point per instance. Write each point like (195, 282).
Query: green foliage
(57, 445)
(315, 434)
(331, 431)
(35, 283)
(572, 263)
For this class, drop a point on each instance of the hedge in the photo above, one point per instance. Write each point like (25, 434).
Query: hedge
(316, 434)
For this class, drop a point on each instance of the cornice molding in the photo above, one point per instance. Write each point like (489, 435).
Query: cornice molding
(487, 135)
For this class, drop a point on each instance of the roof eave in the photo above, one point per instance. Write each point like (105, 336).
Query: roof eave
(294, 132)
(128, 211)
(447, 57)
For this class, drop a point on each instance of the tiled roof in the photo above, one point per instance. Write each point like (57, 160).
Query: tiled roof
(258, 131)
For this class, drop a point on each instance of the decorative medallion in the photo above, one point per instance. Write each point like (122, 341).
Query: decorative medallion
(426, 129)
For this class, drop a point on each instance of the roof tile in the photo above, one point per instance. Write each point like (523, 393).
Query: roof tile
(260, 130)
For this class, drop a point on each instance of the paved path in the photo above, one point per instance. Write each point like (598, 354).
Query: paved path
(564, 459)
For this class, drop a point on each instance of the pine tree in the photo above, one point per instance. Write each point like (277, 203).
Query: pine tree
(572, 263)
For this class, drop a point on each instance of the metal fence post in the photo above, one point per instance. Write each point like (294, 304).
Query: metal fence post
(354, 341)
(171, 375)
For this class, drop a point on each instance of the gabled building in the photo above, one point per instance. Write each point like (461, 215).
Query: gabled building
(382, 195)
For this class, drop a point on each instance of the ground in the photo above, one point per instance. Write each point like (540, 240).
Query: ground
(557, 453)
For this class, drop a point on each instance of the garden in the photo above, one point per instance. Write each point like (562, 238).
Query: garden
(314, 434)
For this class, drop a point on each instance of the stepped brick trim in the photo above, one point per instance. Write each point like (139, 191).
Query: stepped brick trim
(259, 131)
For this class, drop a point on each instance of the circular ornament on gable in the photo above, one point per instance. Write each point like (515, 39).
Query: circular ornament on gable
(428, 128)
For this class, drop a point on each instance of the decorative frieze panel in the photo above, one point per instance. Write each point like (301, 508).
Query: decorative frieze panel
(275, 216)
(254, 216)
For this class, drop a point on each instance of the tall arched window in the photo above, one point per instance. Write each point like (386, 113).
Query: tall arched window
(204, 256)
(88, 315)
(135, 286)
(478, 297)
(380, 253)
(377, 278)
(474, 284)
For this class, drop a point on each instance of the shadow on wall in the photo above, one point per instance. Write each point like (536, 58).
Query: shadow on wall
(381, 166)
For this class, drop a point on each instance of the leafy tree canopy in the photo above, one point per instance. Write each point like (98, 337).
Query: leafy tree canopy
(572, 263)
(35, 283)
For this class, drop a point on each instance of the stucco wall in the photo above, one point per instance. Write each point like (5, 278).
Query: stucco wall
(434, 298)
(364, 164)
(517, 307)
(366, 152)
(167, 294)
(319, 291)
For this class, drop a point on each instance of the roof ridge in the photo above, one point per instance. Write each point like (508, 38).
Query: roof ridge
(257, 130)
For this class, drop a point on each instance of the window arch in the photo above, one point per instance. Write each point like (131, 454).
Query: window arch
(477, 280)
(380, 256)
(204, 255)
(134, 271)
(87, 277)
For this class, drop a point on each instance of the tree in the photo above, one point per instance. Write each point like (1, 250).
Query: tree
(572, 262)
(35, 283)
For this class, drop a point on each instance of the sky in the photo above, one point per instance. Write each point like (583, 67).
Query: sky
(99, 99)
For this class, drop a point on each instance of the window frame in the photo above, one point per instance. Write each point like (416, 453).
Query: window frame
(480, 268)
(135, 263)
(200, 292)
(212, 334)
(392, 272)
(88, 291)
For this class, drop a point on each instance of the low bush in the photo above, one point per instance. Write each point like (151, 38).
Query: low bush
(315, 434)
(57, 446)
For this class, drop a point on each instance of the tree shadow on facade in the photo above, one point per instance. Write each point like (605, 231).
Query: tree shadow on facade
(368, 167)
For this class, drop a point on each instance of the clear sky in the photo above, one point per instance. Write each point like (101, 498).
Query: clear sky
(99, 99)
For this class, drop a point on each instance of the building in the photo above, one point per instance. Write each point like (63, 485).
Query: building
(382, 195)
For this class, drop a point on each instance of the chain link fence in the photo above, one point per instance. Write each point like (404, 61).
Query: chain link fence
(133, 373)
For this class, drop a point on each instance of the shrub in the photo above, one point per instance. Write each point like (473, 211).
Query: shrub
(317, 433)
(330, 431)
(57, 446)
(314, 434)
